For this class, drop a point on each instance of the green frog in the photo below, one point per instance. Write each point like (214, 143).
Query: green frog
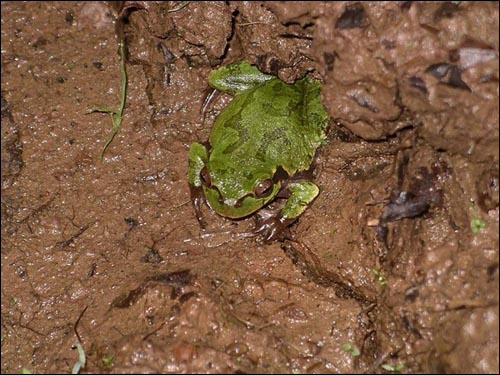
(261, 144)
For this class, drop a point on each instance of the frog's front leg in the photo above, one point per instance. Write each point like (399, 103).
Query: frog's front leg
(301, 194)
(197, 160)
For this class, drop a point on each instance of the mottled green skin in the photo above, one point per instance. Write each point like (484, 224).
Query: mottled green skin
(268, 124)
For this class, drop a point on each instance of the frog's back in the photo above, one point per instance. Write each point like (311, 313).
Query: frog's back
(272, 125)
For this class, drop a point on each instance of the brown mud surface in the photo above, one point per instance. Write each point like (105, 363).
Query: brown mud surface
(109, 253)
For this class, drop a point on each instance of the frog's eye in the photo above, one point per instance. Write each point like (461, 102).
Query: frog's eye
(205, 177)
(264, 188)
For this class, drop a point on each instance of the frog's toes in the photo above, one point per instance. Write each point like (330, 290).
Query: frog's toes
(273, 227)
(197, 198)
(266, 213)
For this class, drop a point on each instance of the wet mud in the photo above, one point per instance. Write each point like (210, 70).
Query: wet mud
(393, 268)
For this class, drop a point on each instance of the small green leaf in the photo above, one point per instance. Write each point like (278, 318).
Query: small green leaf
(350, 348)
(393, 368)
(346, 347)
(381, 279)
(476, 225)
(399, 367)
(107, 361)
(355, 351)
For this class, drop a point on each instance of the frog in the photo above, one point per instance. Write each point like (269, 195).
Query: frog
(261, 149)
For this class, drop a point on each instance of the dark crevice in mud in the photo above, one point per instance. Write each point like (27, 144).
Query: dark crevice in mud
(422, 192)
(311, 267)
(353, 17)
(177, 279)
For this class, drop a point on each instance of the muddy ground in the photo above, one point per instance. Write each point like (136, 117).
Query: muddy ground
(393, 268)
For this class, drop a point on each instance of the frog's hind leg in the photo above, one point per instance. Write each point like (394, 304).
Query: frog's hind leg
(273, 224)
(302, 193)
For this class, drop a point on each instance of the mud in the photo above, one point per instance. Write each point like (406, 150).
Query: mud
(397, 257)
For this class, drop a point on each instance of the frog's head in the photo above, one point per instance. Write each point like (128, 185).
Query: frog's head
(236, 193)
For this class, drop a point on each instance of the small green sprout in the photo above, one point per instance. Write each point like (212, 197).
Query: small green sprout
(350, 348)
(476, 224)
(26, 371)
(393, 368)
(107, 361)
(116, 116)
(80, 364)
(381, 279)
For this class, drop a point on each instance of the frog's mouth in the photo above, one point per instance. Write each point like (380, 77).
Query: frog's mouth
(237, 208)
